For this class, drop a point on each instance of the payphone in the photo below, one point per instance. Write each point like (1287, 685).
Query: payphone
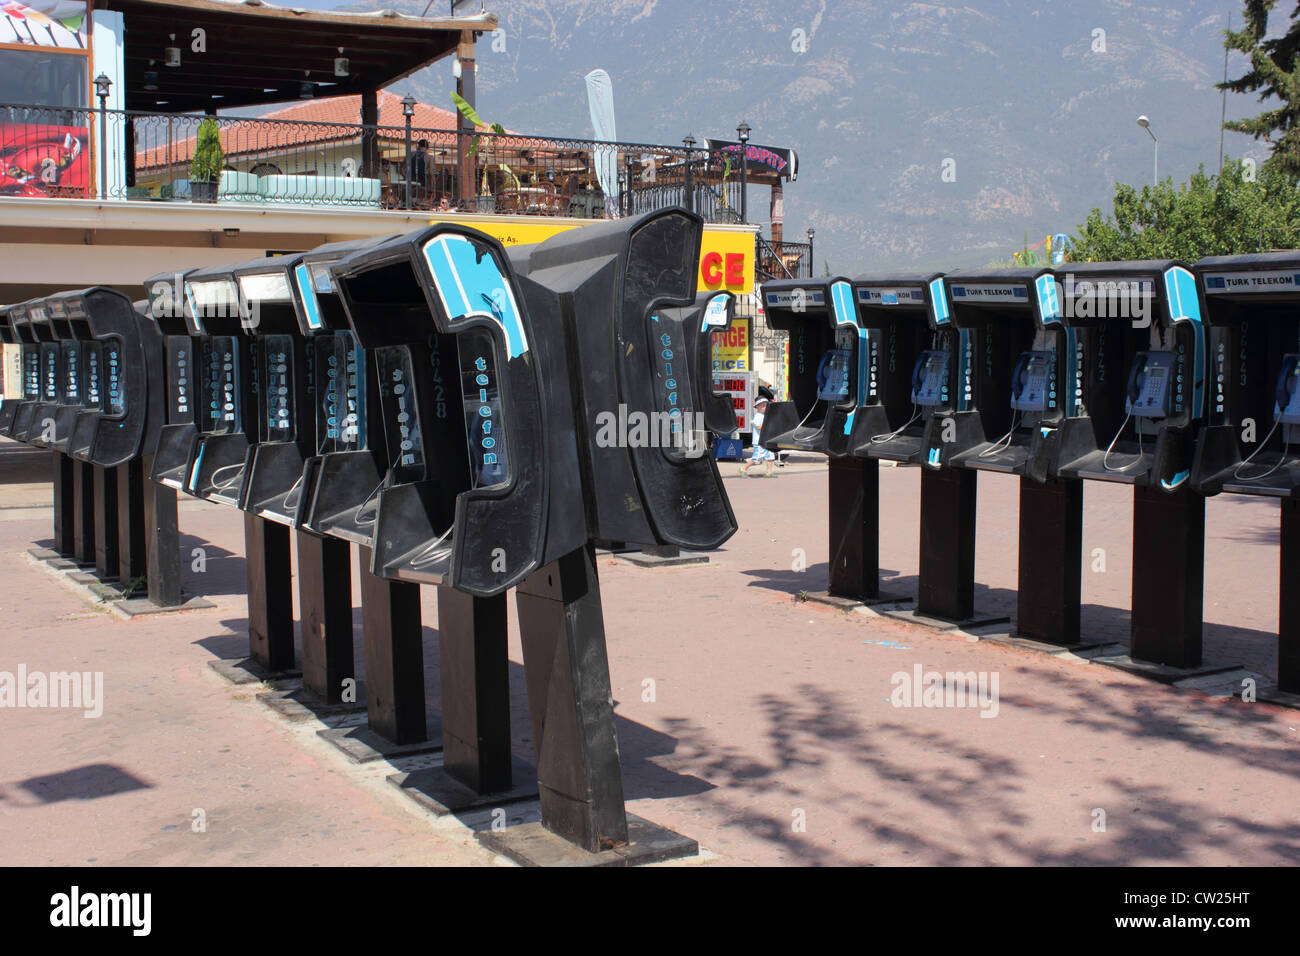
(712, 313)
(1142, 356)
(1018, 350)
(42, 428)
(338, 422)
(22, 377)
(830, 354)
(285, 432)
(597, 295)
(468, 489)
(32, 359)
(1021, 358)
(64, 479)
(912, 367)
(172, 444)
(227, 369)
(109, 429)
(1250, 443)
(54, 414)
(1140, 381)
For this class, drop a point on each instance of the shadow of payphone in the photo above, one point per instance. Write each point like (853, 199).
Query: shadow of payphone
(1141, 368)
(1250, 444)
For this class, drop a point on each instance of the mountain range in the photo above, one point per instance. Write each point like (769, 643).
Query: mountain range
(930, 134)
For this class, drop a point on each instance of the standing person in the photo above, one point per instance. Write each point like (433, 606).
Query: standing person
(759, 453)
(417, 173)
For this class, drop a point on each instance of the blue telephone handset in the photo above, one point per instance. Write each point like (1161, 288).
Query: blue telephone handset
(1030, 381)
(1149, 385)
(1286, 411)
(833, 375)
(929, 376)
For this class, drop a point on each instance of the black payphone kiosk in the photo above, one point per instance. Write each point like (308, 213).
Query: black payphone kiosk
(52, 418)
(469, 486)
(1140, 366)
(277, 417)
(9, 403)
(912, 349)
(1250, 444)
(830, 355)
(712, 314)
(34, 355)
(227, 380)
(108, 432)
(339, 425)
(1021, 403)
(605, 286)
(33, 388)
(26, 388)
(173, 443)
(833, 368)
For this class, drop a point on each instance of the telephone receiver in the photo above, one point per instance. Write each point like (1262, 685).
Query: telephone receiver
(822, 374)
(928, 375)
(1287, 409)
(833, 375)
(1149, 382)
(1029, 390)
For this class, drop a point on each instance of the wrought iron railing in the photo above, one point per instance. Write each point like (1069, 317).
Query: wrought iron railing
(118, 154)
(783, 260)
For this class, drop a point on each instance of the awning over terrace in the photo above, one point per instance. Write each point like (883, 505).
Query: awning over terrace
(255, 52)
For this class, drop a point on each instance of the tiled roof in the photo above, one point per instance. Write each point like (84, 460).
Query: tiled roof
(332, 119)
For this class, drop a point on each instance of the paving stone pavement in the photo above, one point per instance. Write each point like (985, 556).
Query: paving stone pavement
(759, 725)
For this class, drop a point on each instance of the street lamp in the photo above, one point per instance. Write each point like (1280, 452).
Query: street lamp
(102, 85)
(811, 232)
(688, 180)
(1155, 161)
(742, 133)
(408, 111)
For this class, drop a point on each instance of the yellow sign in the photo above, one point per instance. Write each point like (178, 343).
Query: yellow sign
(731, 348)
(726, 256)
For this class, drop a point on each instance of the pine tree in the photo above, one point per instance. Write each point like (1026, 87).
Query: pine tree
(1273, 73)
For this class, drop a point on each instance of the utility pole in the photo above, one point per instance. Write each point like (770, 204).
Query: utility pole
(1223, 105)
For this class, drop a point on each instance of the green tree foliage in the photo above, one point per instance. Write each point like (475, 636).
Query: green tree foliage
(1208, 215)
(208, 159)
(1273, 75)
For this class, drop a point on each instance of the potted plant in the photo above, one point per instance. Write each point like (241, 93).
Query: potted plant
(205, 167)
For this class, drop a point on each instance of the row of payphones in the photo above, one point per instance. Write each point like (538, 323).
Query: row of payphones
(433, 395)
(1011, 371)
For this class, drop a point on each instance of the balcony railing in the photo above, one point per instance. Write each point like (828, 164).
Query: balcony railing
(117, 154)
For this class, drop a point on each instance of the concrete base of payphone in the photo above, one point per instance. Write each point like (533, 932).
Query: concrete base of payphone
(853, 520)
(580, 782)
(478, 768)
(946, 566)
